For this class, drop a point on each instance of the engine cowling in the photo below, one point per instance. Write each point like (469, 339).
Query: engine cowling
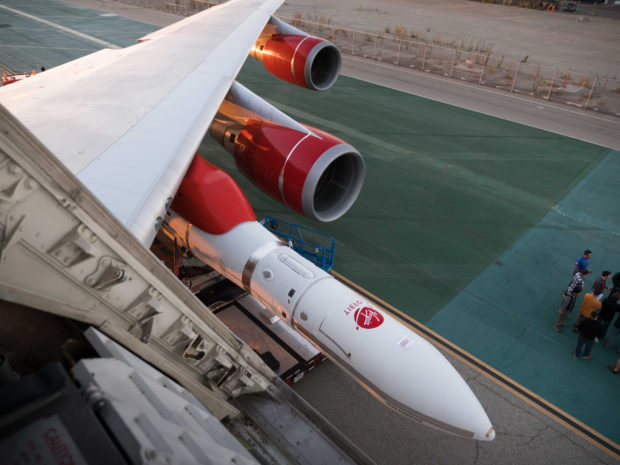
(313, 173)
(194, 199)
(302, 60)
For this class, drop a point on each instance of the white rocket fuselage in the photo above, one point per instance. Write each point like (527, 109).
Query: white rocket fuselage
(392, 362)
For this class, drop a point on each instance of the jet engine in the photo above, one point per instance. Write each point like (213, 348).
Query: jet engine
(296, 57)
(304, 168)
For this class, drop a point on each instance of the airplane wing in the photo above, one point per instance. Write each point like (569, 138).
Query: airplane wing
(132, 152)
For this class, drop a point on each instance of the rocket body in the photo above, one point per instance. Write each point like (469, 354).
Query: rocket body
(397, 366)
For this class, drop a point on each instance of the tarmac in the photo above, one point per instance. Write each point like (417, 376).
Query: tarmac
(468, 225)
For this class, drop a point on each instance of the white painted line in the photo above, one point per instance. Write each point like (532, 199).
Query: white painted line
(61, 28)
(45, 47)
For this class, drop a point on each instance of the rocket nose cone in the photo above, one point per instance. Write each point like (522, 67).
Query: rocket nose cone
(442, 396)
(430, 390)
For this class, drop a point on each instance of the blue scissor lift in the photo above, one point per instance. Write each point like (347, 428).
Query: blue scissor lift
(313, 245)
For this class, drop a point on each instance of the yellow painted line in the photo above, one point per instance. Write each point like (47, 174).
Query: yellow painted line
(549, 409)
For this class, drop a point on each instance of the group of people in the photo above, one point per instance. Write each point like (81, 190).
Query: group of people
(596, 312)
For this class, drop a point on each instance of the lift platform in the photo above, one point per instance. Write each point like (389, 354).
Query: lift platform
(314, 245)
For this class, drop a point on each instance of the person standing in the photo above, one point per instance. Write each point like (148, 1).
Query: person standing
(583, 261)
(578, 280)
(589, 329)
(569, 298)
(609, 307)
(615, 280)
(590, 304)
(566, 308)
(613, 332)
(615, 369)
(601, 284)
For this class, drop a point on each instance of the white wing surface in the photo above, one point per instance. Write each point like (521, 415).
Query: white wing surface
(127, 122)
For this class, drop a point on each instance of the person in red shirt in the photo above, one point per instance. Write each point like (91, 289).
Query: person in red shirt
(601, 284)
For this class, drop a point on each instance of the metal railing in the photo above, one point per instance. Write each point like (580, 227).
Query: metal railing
(317, 247)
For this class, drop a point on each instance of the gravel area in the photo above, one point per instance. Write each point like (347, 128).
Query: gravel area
(569, 41)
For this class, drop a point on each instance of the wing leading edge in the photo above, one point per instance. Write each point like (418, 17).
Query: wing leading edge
(127, 122)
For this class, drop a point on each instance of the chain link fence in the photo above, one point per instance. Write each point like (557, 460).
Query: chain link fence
(180, 7)
(586, 90)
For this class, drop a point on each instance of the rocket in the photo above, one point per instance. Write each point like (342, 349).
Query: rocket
(211, 217)
(319, 176)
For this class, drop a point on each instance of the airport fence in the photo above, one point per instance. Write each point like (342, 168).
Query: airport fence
(583, 89)
(587, 90)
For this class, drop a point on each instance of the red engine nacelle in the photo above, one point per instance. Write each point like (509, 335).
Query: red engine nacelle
(210, 199)
(302, 60)
(315, 173)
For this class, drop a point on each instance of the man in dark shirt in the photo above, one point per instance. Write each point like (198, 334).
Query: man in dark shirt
(614, 330)
(589, 329)
(609, 308)
(616, 282)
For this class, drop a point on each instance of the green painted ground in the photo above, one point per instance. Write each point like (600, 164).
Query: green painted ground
(504, 316)
(447, 190)
(461, 222)
(26, 44)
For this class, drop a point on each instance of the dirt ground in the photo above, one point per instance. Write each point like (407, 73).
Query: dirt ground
(571, 42)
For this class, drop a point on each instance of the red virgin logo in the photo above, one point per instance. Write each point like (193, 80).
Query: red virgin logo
(367, 318)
